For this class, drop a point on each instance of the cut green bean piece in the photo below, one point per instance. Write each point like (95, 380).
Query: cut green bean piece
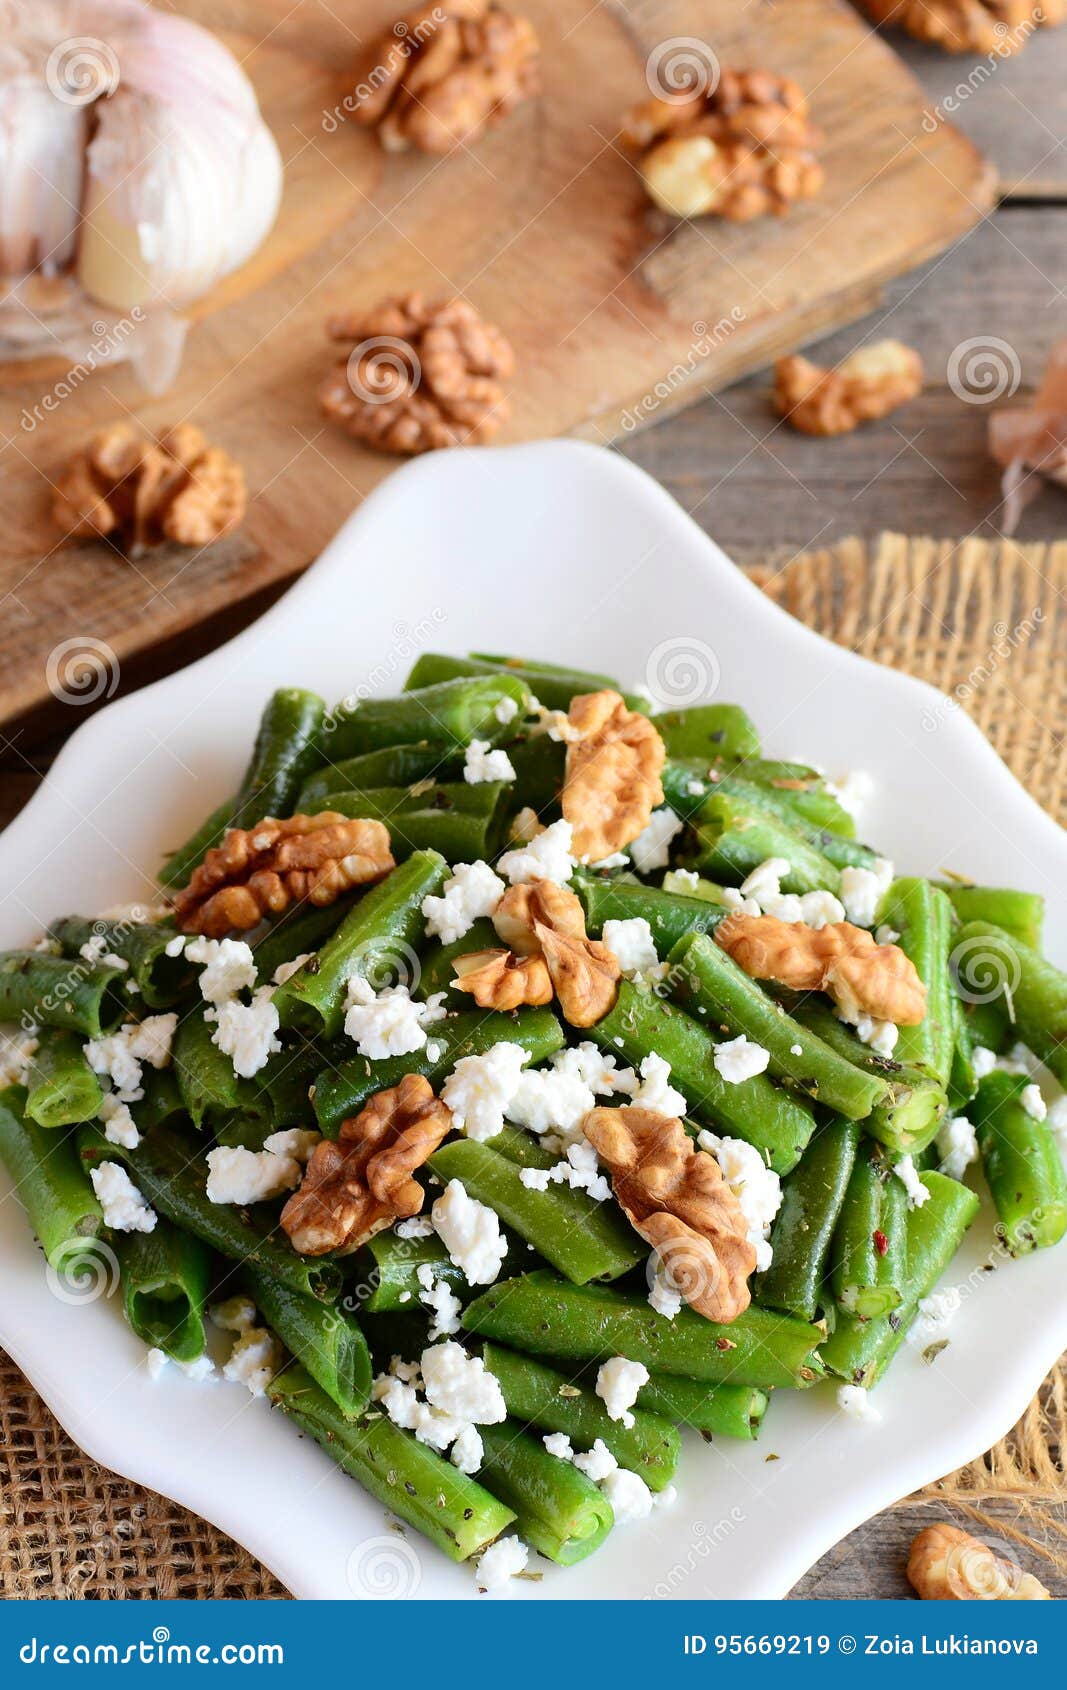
(438, 970)
(551, 685)
(683, 883)
(450, 714)
(804, 791)
(210, 1090)
(992, 967)
(923, 918)
(962, 1081)
(462, 822)
(539, 1396)
(166, 1276)
(385, 1272)
(544, 1315)
(61, 1088)
(669, 917)
(870, 1247)
(378, 939)
(55, 991)
(776, 1121)
(706, 981)
(812, 1197)
(415, 1483)
(583, 1239)
(727, 1411)
(1021, 914)
(840, 849)
(153, 978)
(393, 765)
(558, 1511)
(709, 732)
(162, 1101)
(1022, 1165)
(324, 1338)
(283, 756)
(179, 866)
(735, 834)
(909, 1117)
(283, 1084)
(300, 931)
(343, 1089)
(52, 1187)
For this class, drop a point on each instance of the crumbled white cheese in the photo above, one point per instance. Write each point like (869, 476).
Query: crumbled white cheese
(502, 1561)
(119, 1125)
(856, 1403)
(881, 1036)
(655, 1091)
(862, 890)
(617, 1383)
(471, 892)
(757, 1188)
(237, 1175)
(120, 1055)
(597, 1463)
(764, 881)
(468, 1451)
(796, 1050)
(202, 1368)
(461, 1385)
(689, 878)
(934, 1314)
(174, 947)
(441, 1300)
(124, 1206)
(617, 859)
(285, 970)
(254, 1360)
(957, 1146)
(695, 788)
(481, 764)
(505, 710)
(913, 1185)
(550, 1100)
(652, 847)
(631, 943)
(559, 1445)
(95, 951)
(580, 1171)
(761, 893)
(236, 1314)
(546, 857)
(297, 1142)
(228, 967)
(740, 1059)
(470, 1232)
(388, 1022)
(983, 1061)
(629, 1496)
(16, 1054)
(733, 900)
(596, 1069)
(419, 1226)
(852, 791)
(246, 1032)
(1032, 1101)
(886, 935)
(663, 1295)
(526, 824)
(480, 1089)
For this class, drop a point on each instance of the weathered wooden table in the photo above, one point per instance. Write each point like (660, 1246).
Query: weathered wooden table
(759, 488)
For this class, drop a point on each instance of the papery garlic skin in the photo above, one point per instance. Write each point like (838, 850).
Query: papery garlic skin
(42, 151)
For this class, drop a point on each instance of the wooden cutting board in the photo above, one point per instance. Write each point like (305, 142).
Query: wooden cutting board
(617, 316)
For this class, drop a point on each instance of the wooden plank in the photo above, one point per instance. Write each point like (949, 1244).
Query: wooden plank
(543, 225)
(755, 484)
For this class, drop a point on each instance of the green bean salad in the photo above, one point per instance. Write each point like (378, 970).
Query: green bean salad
(511, 1077)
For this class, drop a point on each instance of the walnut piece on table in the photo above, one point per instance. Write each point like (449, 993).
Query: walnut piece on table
(362, 1182)
(946, 1564)
(141, 492)
(740, 150)
(444, 73)
(612, 784)
(418, 376)
(868, 384)
(675, 1196)
(863, 977)
(263, 869)
(969, 26)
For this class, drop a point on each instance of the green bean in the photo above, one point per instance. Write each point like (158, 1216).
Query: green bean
(413, 1481)
(812, 1197)
(1021, 914)
(51, 1186)
(159, 979)
(962, 1081)
(683, 883)
(283, 1084)
(166, 1276)
(378, 934)
(776, 1121)
(805, 792)
(61, 1087)
(558, 1511)
(401, 766)
(686, 784)
(537, 1395)
(734, 835)
(589, 680)
(450, 714)
(553, 687)
(179, 866)
(299, 931)
(669, 916)
(794, 794)
(539, 762)
(923, 917)
(174, 1183)
(53, 991)
(727, 1411)
(326, 1340)
(162, 1100)
(342, 1090)
(210, 1089)
(1022, 1166)
(840, 849)
(583, 1239)
(545, 1315)
(386, 1271)
(993, 967)
(283, 756)
(988, 1024)
(438, 971)
(870, 1247)
(705, 979)
(860, 1350)
(462, 822)
(908, 1119)
(709, 732)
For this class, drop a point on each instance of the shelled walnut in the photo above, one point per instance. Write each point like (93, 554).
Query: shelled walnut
(869, 383)
(548, 921)
(441, 75)
(863, 977)
(417, 376)
(969, 26)
(946, 1564)
(141, 492)
(740, 149)
(615, 758)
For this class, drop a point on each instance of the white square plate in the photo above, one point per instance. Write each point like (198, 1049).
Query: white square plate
(564, 552)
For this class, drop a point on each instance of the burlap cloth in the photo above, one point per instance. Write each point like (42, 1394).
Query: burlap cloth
(959, 615)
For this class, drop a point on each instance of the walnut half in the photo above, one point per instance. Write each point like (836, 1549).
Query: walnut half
(969, 26)
(863, 978)
(946, 1564)
(141, 493)
(547, 921)
(501, 980)
(868, 384)
(263, 869)
(362, 1182)
(674, 1195)
(612, 784)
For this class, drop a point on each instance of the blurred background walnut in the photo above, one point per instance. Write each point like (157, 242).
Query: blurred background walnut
(968, 26)
(739, 150)
(442, 74)
(869, 383)
(418, 376)
(141, 492)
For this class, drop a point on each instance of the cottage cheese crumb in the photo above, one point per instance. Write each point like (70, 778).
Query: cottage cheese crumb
(655, 1091)
(597, 1463)
(652, 847)
(254, 1360)
(481, 764)
(470, 1232)
(934, 1314)
(983, 1061)
(913, 1185)
(297, 1142)
(419, 1226)
(596, 1069)
(16, 1054)
(1033, 1102)
(881, 1036)
(228, 967)
(757, 1188)
(442, 1302)
(559, 1445)
(663, 1295)
(480, 1089)
(246, 1032)
(387, 1022)
(461, 1385)
(631, 944)
(856, 1403)
(957, 1146)
(505, 710)
(629, 1496)
(285, 970)
(687, 878)
(124, 1206)
(235, 1314)
(740, 1059)
(472, 891)
(119, 1125)
(546, 857)
(468, 1451)
(200, 1369)
(95, 951)
(618, 1382)
(237, 1175)
(862, 890)
(120, 1055)
(501, 1562)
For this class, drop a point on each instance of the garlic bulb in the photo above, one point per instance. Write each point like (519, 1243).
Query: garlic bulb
(132, 152)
